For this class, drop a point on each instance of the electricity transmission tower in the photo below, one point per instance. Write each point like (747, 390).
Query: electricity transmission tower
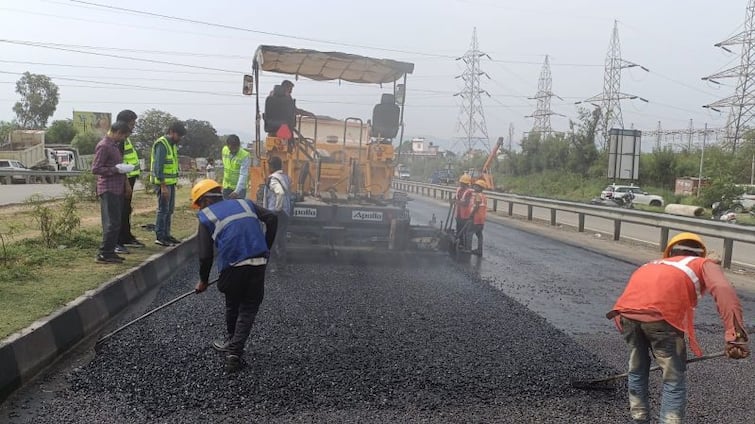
(741, 104)
(609, 101)
(544, 94)
(471, 116)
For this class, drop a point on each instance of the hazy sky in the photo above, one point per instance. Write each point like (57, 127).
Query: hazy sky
(674, 39)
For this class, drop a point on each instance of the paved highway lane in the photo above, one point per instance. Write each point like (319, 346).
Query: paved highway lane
(486, 340)
(18, 193)
(744, 253)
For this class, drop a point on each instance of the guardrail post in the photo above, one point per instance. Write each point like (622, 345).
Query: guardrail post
(616, 229)
(553, 217)
(581, 222)
(728, 252)
(495, 205)
(511, 208)
(529, 212)
(435, 193)
(664, 238)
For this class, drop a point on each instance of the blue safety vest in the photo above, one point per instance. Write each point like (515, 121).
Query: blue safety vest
(237, 231)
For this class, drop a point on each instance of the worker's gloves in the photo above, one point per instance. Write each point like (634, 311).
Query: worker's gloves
(124, 168)
(737, 350)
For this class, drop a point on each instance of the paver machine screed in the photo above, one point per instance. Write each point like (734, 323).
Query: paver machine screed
(340, 170)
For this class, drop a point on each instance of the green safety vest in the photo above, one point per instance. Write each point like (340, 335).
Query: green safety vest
(232, 166)
(130, 157)
(170, 167)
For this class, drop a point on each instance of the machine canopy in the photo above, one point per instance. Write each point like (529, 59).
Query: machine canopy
(325, 66)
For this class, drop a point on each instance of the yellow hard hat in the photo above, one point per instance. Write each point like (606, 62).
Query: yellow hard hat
(482, 184)
(200, 189)
(465, 179)
(682, 237)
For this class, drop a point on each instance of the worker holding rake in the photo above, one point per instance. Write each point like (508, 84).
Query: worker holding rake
(241, 234)
(655, 312)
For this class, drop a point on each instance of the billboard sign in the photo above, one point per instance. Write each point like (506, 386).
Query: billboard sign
(96, 122)
(624, 154)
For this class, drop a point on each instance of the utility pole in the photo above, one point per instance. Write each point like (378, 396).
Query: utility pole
(742, 103)
(544, 94)
(471, 116)
(702, 156)
(609, 101)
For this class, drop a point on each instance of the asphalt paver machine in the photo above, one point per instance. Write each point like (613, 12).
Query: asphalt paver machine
(341, 170)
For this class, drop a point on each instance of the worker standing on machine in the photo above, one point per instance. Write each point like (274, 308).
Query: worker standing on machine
(478, 215)
(656, 310)
(463, 202)
(241, 233)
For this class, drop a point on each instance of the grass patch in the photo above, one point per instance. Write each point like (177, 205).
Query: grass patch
(36, 281)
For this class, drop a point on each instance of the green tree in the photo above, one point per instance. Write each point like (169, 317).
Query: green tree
(583, 153)
(85, 142)
(151, 125)
(60, 132)
(5, 129)
(39, 99)
(201, 140)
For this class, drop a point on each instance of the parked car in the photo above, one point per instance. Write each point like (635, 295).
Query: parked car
(442, 176)
(641, 197)
(16, 166)
(746, 201)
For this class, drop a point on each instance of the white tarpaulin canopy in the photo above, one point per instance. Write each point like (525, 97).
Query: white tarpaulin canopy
(324, 66)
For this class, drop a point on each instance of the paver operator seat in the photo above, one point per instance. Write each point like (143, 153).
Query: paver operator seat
(385, 118)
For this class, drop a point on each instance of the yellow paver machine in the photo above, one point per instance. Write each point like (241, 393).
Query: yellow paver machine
(340, 170)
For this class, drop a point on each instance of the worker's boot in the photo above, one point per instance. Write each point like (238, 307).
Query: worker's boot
(234, 363)
(221, 345)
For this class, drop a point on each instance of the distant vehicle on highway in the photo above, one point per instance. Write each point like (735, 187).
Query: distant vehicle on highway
(641, 197)
(17, 166)
(442, 176)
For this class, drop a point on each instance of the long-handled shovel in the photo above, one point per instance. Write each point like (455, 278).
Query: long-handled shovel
(145, 315)
(595, 384)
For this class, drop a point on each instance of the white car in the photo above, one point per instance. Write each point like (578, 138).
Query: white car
(16, 166)
(640, 197)
(746, 201)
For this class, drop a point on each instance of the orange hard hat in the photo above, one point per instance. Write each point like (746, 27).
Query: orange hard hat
(686, 241)
(482, 184)
(465, 179)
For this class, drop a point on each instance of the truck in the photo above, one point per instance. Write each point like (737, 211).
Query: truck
(27, 147)
(341, 170)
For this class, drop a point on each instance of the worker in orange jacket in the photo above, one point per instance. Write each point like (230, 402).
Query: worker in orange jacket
(463, 201)
(655, 312)
(479, 214)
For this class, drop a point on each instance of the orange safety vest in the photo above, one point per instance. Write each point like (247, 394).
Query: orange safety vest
(482, 210)
(464, 195)
(670, 287)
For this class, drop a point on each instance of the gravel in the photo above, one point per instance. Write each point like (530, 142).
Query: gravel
(420, 343)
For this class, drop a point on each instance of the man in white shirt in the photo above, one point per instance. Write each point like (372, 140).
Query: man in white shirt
(277, 198)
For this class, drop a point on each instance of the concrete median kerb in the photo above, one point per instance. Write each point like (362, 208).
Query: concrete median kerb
(27, 352)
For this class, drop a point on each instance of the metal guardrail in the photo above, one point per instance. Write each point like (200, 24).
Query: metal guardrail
(663, 222)
(34, 176)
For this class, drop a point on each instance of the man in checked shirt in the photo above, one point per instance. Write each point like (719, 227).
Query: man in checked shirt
(112, 188)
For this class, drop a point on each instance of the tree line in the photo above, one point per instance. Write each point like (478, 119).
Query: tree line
(39, 100)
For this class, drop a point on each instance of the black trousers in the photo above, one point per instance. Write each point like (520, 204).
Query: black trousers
(125, 236)
(111, 206)
(279, 245)
(244, 289)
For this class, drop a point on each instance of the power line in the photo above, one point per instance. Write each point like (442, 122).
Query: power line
(141, 87)
(254, 31)
(114, 68)
(40, 45)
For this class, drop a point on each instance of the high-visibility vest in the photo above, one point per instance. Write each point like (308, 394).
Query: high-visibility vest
(669, 287)
(170, 167)
(482, 209)
(236, 229)
(464, 202)
(130, 157)
(232, 166)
